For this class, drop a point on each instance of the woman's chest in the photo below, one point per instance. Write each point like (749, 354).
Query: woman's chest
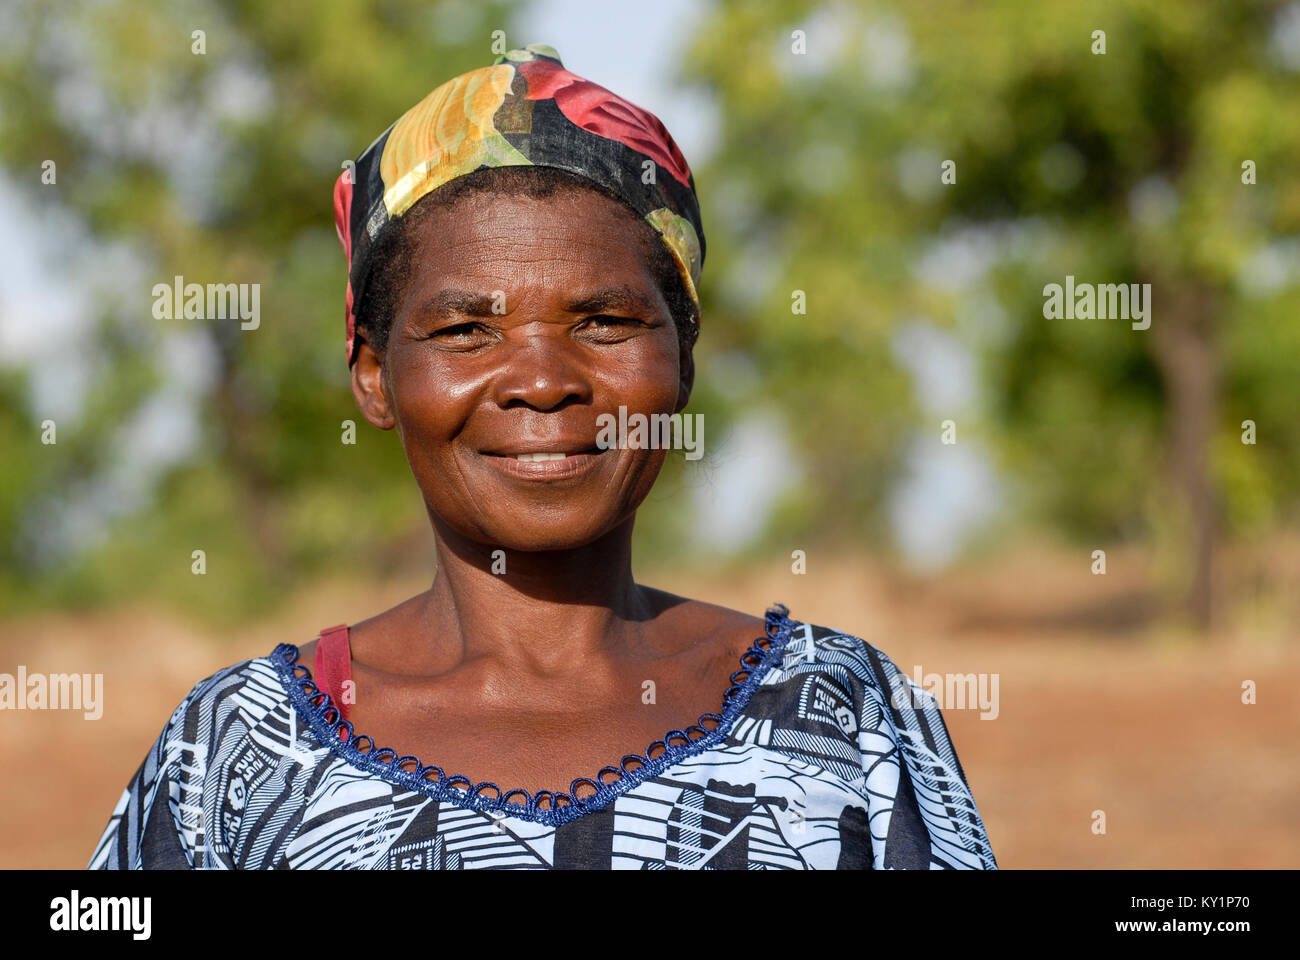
(550, 746)
(534, 735)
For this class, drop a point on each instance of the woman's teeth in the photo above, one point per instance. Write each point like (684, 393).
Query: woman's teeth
(541, 456)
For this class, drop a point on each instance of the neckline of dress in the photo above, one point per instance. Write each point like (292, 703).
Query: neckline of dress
(325, 721)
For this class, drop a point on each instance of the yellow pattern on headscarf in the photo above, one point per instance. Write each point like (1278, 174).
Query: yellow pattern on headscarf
(446, 135)
(680, 237)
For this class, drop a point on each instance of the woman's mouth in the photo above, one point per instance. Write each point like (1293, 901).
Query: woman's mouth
(531, 457)
(544, 465)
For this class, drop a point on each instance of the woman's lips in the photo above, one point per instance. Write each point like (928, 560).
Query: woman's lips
(552, 467)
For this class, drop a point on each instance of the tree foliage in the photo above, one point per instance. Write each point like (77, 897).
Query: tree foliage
(1122, 166)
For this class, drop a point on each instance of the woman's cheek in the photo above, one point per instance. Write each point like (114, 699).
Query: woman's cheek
(647, 381)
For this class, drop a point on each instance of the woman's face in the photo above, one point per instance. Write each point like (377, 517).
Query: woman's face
(524, 320)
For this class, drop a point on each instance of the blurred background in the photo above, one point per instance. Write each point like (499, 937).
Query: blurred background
(819, 133)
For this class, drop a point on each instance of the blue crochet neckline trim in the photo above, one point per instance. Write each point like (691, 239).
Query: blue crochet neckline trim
(324, 719)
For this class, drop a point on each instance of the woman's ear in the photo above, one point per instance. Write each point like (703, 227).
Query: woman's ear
(370, 387)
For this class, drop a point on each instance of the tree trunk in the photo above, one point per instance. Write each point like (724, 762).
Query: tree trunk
(1183, 343)
(237, 417)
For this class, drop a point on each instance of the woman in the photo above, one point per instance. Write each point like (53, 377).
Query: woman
(524, 249)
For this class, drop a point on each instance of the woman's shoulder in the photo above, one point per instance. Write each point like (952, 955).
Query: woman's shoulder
(241, 707)
(886, 697)
(256, 671)
(906, 760)
(224, 722)
(749, 636)
(818, 643)
(253, 685)
(810, 639)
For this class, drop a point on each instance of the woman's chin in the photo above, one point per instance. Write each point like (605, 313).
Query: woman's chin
(549, 538)
(540, 535)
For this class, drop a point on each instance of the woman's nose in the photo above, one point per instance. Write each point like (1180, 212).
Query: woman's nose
(544, 373)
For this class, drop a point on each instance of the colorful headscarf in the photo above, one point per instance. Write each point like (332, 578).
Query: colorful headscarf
(525, 109)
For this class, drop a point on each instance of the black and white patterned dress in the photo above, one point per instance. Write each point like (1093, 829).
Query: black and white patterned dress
(824, 756)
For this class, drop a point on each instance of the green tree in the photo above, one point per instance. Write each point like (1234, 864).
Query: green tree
(1122, 166)
(212, 155)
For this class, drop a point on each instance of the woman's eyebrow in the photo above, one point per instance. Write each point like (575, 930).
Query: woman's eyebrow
(451, 302)
(448, 303)
(618, 298)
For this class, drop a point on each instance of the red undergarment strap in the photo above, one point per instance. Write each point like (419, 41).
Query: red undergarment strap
(334, 668)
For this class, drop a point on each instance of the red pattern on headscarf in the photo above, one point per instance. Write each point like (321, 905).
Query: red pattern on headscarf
(342, 223)
(597, 110)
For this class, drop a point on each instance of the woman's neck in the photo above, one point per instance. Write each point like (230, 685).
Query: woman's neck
(538, 613)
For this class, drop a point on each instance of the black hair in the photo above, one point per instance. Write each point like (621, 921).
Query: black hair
(394, 253)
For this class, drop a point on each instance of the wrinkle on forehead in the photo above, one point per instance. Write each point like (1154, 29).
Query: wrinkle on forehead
(583, 255)
(494, 219)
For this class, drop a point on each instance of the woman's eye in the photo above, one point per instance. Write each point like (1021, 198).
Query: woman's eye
(613, 323)
(461, 336)
(459, 330)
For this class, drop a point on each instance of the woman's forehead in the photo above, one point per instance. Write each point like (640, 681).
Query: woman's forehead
(567, 210)
(486, 233)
